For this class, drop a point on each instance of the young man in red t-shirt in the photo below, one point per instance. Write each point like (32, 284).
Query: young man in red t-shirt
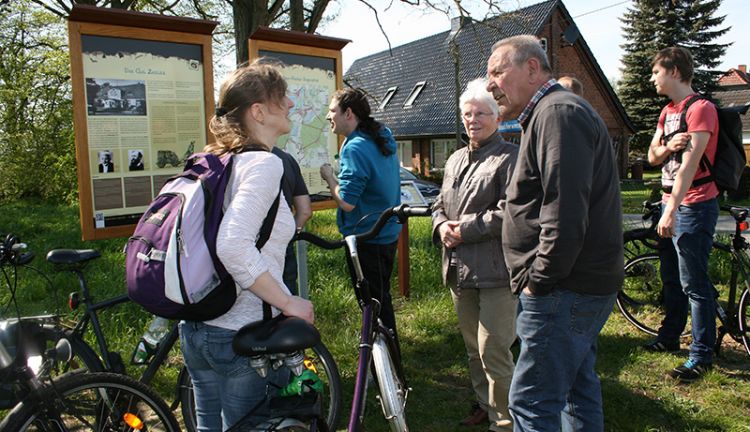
(689, 212)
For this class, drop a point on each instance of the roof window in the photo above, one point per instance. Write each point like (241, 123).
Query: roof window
(387, 97)
(414, 93)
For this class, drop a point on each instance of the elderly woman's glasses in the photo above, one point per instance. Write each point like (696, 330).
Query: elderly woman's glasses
(475, 115)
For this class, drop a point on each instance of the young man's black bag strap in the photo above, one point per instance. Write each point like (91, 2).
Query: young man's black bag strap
(705, 164)
(263, 236)
(265, 229)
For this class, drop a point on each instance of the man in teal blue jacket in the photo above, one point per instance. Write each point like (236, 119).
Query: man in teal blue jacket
(367, 184)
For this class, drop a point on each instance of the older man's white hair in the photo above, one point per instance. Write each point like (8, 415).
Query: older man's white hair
(476, 92)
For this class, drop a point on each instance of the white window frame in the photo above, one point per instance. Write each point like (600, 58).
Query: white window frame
(448, 147)
(387, 97)
(414, 94)
(405, 152)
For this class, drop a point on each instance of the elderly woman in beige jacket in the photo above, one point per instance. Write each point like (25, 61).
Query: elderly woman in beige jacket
(467, 221)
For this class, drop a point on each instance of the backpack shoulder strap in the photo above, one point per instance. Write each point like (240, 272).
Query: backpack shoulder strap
(683, 116)
(263, 236)
(705, 164)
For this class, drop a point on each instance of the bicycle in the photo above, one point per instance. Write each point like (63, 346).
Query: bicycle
(72, 401)
(377, 349)
(641, 299)
(75, 261)
(637, 239)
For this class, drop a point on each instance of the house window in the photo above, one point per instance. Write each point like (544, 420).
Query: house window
(440, 149)
(404, 153)
(414, 93)
(387, 97)
(543, 43)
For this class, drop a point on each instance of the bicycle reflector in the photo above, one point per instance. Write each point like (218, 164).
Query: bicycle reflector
(73, 301)
(133, 421)
(744, 225)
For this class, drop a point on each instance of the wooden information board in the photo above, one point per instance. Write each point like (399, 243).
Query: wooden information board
(142, 88)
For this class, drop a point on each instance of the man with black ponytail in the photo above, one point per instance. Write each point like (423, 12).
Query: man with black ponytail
(367, 184)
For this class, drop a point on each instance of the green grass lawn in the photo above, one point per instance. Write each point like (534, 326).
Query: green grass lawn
(637, 397)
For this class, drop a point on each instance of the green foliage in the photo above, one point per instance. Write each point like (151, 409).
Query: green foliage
(650, 25)
(35, 109)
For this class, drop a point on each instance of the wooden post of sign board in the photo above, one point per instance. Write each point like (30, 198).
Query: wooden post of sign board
(403, 259)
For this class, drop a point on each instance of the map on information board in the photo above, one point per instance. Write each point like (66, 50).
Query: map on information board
(310, 141)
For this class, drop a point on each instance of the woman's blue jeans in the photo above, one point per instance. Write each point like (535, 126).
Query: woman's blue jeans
(684, 275)
(226, 387)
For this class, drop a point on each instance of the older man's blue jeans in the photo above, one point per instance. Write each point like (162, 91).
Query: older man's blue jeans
(554, 384)
(684, 275)
(226, 387)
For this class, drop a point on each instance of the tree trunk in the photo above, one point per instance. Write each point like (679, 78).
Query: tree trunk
(297, 15)
(248, 16)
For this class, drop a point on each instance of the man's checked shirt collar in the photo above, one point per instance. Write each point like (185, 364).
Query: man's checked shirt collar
(535, 99)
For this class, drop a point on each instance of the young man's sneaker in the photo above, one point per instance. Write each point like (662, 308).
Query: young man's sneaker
(659, 346)
(690, 371)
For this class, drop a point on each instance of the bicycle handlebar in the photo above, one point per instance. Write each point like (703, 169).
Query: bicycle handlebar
(402, 212)
(12, 251)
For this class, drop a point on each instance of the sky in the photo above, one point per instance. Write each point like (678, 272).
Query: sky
(598, 22)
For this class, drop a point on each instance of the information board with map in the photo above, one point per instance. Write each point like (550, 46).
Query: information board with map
(313, 73)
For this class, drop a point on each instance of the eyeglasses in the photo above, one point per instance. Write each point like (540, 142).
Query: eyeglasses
(477, 115)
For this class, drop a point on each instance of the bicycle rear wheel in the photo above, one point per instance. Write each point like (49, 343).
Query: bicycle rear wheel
(392, 388)
(92, 401)
(742, 316)
(641, 299)
(317, 358)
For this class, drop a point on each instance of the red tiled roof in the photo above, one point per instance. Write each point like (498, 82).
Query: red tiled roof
(734, 77)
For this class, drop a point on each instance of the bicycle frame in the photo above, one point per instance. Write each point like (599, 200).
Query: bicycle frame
(729, 317)
(90, 316)
(370, 329)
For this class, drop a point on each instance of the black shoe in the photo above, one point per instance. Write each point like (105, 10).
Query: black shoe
(690, 371)
(658, 346)
(477, 416)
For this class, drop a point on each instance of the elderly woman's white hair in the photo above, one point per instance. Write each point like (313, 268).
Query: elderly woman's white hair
(476, 91)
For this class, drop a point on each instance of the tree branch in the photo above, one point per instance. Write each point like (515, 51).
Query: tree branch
(377, 19)
(316, 15)
(199, 9)
(273, 10)
(51, 9)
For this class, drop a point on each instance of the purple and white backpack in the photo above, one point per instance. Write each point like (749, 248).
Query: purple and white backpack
(171, 265)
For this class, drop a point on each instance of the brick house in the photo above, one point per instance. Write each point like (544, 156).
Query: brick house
(414, 87)
(735, 79)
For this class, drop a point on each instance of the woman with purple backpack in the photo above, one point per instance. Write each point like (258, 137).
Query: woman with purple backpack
(252, 113)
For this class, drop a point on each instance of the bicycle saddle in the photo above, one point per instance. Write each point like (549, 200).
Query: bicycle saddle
(71, 256)
(281, 334)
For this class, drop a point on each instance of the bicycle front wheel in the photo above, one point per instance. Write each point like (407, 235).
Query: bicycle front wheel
(641, 299)
(92, 401)
(742, 315)
(392, 388)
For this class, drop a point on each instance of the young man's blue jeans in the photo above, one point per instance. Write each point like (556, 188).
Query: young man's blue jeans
(684, 275)
(554, 384)
(226, 387)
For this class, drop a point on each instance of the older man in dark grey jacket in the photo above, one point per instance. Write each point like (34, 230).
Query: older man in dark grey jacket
(467, 221)
(562, 239)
